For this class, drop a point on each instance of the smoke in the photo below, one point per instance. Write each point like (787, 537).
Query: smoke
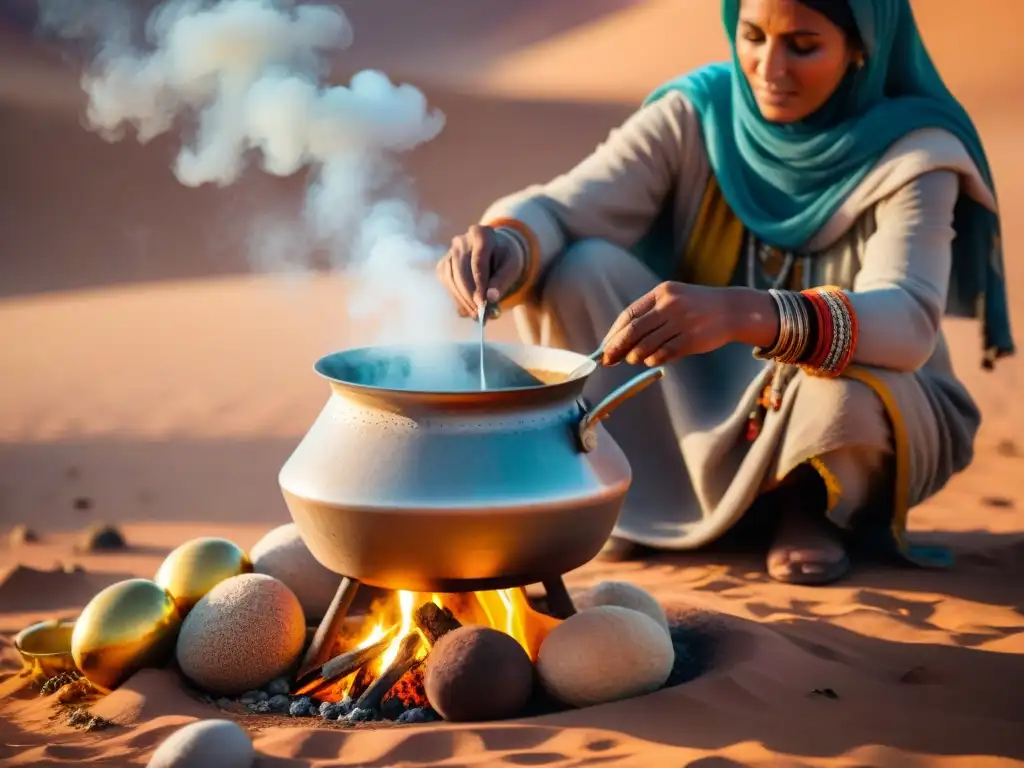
(246, 79)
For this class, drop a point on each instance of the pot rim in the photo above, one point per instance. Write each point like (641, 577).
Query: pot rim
(576, 363)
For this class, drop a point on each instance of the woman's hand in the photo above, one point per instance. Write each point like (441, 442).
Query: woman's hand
(678, 319)
(480, 265)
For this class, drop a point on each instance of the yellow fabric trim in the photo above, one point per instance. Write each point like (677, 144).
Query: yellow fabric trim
(901, 495)
(832, 484)
(713, 249)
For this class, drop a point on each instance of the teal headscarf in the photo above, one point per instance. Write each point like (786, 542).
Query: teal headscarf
(785, 182)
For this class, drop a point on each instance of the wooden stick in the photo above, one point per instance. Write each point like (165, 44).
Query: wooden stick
(404, 661)
(346, 663)
(320, 647)
(360, 683)
(559, 601)
(435, 622)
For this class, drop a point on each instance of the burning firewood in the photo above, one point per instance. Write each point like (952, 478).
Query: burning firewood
(435, 622)
(345, 664)
(373, 697)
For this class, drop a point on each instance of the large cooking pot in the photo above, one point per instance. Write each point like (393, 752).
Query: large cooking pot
(413, 478)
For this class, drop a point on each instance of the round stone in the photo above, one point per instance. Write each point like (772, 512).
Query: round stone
(604, 654)
(222, 743)
(283, 554)
(624, 595)
(478, 673)
(242, 634)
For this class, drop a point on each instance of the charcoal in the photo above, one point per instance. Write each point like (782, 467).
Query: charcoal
(304, 706)
(393, 708)
(334, 710)
(277, 687)
(252, 697)
(260, 707)
(418, 715)
(360, 715)
(279, 703)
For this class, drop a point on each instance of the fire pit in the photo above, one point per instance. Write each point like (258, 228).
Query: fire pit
(416, 481)
(378, 660)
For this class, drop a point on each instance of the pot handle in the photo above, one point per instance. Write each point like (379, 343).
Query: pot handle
(586, 430)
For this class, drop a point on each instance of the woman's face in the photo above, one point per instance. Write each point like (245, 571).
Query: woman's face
(793, 57)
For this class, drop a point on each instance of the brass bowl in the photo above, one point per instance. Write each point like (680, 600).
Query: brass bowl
(129, 625)
(45, 648)
(197, 566)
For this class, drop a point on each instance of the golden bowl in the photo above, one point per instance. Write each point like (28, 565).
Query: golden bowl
(128, 626)
(197, 566)
(45, 647)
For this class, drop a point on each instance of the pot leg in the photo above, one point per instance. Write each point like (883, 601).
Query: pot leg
(319, 649)
(558, 599)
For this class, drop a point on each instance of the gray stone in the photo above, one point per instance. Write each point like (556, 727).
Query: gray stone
(304, 706)
(333, 710)
(416, 715)
(251, 697)
(278, 686)
(279, 703)
(359, 715)
(205, 744)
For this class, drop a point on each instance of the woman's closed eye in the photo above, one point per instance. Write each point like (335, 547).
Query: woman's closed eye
(798, 46)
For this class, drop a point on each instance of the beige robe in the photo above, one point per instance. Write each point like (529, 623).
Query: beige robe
(891, 431)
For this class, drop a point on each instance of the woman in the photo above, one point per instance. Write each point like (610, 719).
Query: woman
(822, 199)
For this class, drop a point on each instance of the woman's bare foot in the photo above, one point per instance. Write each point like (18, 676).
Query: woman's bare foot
(807, 550)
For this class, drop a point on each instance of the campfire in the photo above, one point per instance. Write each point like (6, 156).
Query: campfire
(378, 659)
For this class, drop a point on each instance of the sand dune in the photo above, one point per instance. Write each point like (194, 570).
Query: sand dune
(152, 378)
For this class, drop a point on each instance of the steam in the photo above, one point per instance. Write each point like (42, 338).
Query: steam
(248, 75)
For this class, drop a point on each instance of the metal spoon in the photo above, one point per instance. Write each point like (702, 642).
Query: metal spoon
(486, 311)
(593, 357)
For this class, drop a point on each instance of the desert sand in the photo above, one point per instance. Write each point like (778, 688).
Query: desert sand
(151, 379)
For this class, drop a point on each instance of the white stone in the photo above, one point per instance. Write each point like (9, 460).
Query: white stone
(624, 595)
(242, 634)
(205, 744)
(605, 654)
(283, 554)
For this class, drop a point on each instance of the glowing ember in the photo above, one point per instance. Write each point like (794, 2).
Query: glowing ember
(506, 610)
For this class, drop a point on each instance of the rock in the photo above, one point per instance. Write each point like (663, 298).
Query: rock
(260, 707)
(304, 706)
(358, 715)
(417, 715)
(279, 703)
(22, 534)
(279, 686)
(283, 554)
(205, 744)
(251, 697)
(334, 710)
(101, 538)
(242, 634)
(624, 595)
(604, 654)
(478, 673)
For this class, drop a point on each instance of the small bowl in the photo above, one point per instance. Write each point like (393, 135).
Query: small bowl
(45, 647)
